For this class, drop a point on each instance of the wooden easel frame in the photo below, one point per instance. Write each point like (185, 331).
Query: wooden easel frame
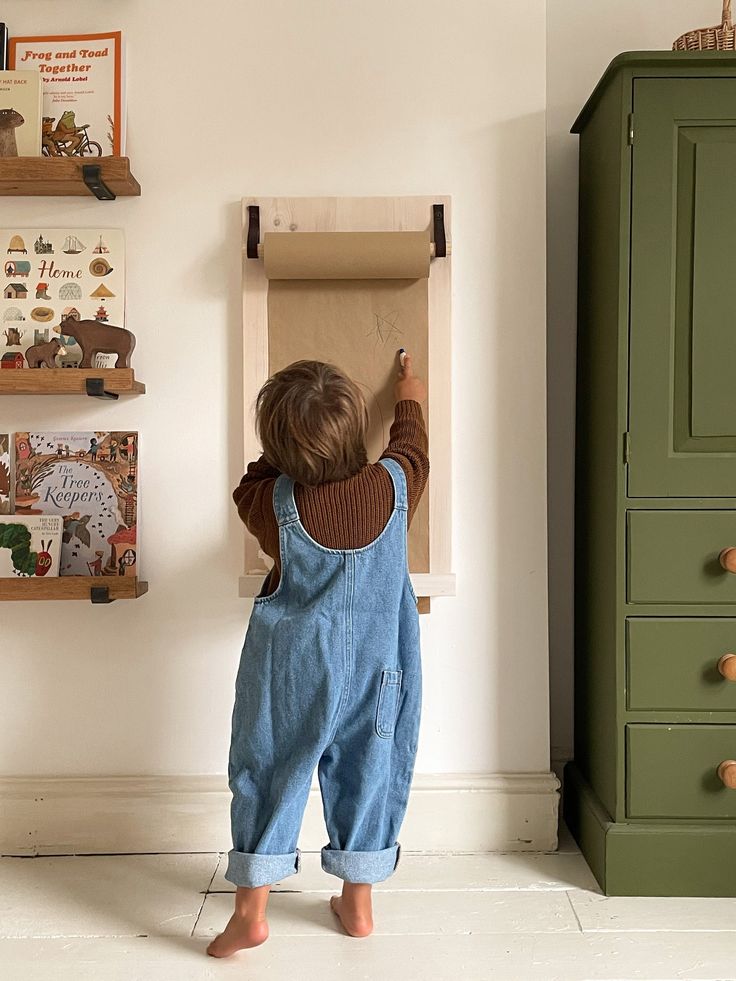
(351, 215)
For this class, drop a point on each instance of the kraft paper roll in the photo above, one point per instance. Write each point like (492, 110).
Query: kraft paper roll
(346, 255)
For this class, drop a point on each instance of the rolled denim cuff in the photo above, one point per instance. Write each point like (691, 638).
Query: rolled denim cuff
(361, 866)
(246, 869)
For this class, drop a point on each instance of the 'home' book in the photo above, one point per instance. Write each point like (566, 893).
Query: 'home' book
(83, 97)
(91, 479)
(52, 274)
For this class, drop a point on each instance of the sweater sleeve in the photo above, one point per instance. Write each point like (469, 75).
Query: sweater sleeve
(254, 500)
(408, 445)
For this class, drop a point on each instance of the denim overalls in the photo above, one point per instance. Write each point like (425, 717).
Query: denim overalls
(329, 677)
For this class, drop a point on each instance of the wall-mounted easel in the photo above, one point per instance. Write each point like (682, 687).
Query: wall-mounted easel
(390, 238)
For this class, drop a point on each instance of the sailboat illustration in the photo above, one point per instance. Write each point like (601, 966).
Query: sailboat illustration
(73, 246)
(100, 247)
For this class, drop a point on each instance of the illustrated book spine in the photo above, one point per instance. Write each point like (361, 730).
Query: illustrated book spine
(5, 473)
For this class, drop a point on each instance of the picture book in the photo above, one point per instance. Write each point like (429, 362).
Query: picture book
(91, 480)
(4, 473)
(30, 546)
(82, 78)
(51, 274)
(20, 114)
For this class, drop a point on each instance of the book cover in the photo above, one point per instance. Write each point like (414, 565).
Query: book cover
(30, 546)
(91, 480)
(4, 473)
(82, 81)
(20, 114)
(51, 274)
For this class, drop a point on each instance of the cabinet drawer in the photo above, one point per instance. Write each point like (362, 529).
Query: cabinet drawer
(673, 664)
(673, 556)
(672, 771)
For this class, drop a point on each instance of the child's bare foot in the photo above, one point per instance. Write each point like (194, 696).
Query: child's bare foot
(354, 909)
(247, 927)
(239, 934)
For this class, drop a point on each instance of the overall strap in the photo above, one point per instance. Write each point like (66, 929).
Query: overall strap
(398, 478)
(284, 504)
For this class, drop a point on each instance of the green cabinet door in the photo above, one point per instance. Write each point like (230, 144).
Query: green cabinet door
(683, 301)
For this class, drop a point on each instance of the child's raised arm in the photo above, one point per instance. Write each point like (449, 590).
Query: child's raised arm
(408, 443)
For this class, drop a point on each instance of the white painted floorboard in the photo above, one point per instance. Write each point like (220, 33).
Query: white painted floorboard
(515, 917)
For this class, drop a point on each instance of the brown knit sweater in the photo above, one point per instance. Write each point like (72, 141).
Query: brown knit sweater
(345, 513)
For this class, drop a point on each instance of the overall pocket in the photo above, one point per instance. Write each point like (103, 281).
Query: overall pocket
(388, 703)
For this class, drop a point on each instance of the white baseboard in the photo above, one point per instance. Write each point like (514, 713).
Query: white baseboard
(447, 813)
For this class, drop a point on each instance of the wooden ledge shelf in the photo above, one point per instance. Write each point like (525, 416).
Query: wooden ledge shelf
(70, 381)
(64, 176)
(73, 588)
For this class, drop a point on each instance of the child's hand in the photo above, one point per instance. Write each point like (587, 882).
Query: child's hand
(407, 386)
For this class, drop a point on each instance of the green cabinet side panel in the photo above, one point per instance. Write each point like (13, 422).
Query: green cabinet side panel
(672, 664)
(673, 556)
(672, 771)
(683, 252)
(602, 310)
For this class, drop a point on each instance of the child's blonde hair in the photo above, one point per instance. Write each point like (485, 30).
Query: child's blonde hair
(312, 420)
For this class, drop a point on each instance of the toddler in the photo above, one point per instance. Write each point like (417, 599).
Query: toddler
(330, 676)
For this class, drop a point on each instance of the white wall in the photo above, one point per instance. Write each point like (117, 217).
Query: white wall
(313, 98)
(582, 38)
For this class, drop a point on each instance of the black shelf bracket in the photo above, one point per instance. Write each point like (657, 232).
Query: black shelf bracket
(438, 224)
(92, 177)
(254, 231)
(96, 389)
(100, 594)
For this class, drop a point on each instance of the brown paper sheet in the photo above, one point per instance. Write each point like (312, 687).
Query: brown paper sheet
(358, 324)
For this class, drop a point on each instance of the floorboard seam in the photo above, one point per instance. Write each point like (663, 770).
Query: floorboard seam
(206, 893)
(574, 911)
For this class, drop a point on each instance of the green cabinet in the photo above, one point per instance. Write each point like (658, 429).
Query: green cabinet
(656, 477)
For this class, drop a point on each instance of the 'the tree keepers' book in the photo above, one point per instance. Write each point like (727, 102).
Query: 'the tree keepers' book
(30, 547)
(91, 479)
(83, 97)
(20, 114)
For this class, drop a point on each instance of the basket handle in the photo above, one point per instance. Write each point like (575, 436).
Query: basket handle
(727, 21)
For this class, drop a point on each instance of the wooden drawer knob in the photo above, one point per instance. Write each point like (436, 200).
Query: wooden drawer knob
(727, 558)
(727, 667)
(727, 773)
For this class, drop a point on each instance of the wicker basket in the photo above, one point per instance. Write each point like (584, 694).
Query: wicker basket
(721, 38)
